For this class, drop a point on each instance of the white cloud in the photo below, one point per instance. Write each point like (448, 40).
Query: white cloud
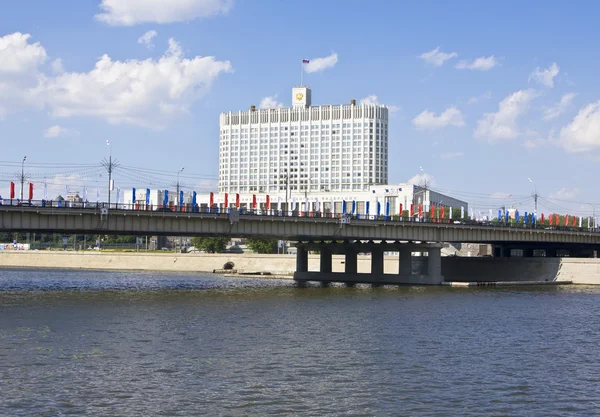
(19, 72)
(436, 57)
(480, 64)
(59, 131)
(428, 120)
(545, 77)
(565, 194)
(133, 12)
(57, 66)
(452, 155)
(320, 64)
(146, 39)
(420, 179)
(373, 100)
(583, 133)
(270, 103)
(503, 123)
(477, 99)
(145, 93)
(556, 110)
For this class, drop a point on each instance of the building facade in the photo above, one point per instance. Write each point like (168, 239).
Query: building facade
(303, 148)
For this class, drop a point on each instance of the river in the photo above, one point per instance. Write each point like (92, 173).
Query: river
(142, 344)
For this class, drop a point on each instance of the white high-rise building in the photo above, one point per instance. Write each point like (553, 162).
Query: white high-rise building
(304, 148)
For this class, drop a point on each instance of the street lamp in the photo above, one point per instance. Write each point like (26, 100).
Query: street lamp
(109, 167)
(177, 196)
(593, 214)
(22, 175)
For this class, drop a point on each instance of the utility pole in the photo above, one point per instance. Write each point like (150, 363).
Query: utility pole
(535, 197)
(177, 201)
(22, 176)
(110, 166)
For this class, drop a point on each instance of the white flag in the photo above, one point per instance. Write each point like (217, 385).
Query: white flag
(491, 214)
(45, 191)
(84, 193)
(97, 195)
(306, 208)
(317, 205)
(118, 196)
(67, 190)
(332, 207)
(450, 213)
(293, 203)
(580, 221)
(462, 212)
(278, 203)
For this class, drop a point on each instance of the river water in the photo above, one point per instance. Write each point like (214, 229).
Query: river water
(144, 344)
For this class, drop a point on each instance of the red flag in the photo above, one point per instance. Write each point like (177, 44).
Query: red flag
(212, 200)
(401, 211)
(12, 190)
(420, 210)
(226, 203)
(412, 210)
(268, 203)
(551, 217)
(253, 201)
(30, 191)
(237, 201)
(542, 218)
(556, 220)
(567, 220)
(443, 212)
(574, 220)
(432, 211)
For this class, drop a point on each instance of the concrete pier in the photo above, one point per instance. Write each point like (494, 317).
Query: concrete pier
(377, 276)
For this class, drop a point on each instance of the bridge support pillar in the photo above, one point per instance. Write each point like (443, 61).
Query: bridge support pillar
(301, 259)
(405, 260)
(350, 266)
(434, 265)
(376, 261)
(325, 259)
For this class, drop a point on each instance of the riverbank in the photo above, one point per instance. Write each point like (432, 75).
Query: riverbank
(577, 270)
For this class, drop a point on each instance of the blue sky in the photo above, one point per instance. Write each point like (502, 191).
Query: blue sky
(510, 93)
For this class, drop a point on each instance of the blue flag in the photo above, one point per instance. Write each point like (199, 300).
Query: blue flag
(180, 198)
(368, 207)
(378, 208)
(344, 206)
(133, 195)
(353, 207)
(147, 196)
(499, 216)
(506, 216)
(166, 199)
(517, 216)
(526, 218)
(387, 208)
(194, 199)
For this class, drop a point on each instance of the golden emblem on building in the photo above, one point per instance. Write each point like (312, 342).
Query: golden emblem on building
(299, 96)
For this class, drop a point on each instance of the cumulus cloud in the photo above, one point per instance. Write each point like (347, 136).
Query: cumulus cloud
(583, 133)
(270, 102)
(57, 66)
(428, 120)
(545, 77)
(19, 72)
(479, 64)
(374, 100)
(133, 12)
(503, 124)
(146, 39)
(146, 93)
(420, 179)
(452, 155)
(56, 131)
(321, 64)
(556, 110)
(565, 194)
(477, 99)
(436, 57)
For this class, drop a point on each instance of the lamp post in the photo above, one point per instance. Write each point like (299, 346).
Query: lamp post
(177, 196)
(109, 168)
(593, 215)
(535, 197)
(22, 175)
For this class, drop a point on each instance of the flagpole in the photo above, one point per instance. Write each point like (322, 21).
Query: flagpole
(301, 73)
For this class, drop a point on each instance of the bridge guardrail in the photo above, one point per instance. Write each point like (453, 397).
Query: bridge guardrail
(50, 206)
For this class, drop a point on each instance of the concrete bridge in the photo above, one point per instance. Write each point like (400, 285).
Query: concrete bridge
(325, 234)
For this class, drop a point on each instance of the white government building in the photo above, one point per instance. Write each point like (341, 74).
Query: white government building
(308, 158)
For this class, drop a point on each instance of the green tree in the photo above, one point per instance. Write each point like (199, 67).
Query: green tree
(262, 245)
(210, 244)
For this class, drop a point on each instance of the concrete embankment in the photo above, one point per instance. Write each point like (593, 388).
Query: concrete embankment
(577, 270)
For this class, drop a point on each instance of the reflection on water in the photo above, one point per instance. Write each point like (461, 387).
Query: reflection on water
(139, 344)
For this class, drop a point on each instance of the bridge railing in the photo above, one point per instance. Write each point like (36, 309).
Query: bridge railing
(341, 217)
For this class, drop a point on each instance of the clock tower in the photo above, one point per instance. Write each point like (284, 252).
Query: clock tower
(301, 97)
